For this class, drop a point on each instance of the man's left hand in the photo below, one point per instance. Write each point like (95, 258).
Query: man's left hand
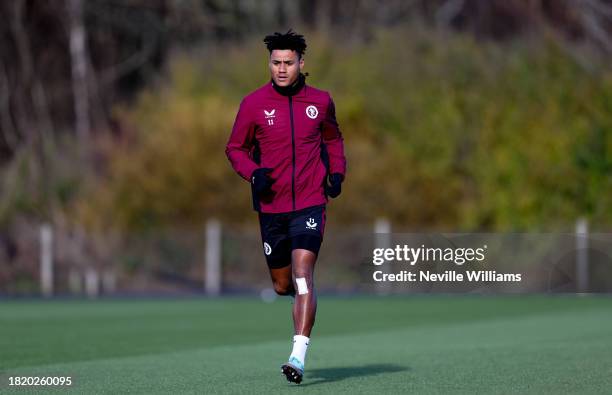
(334, 188)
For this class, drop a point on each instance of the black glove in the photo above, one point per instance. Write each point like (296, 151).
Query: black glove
(261, 180)
(334, 187)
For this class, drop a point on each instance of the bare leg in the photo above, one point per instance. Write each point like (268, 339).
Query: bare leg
(305, 307)
(281, 279)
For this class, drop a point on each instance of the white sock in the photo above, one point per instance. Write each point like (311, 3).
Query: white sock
(300, 345)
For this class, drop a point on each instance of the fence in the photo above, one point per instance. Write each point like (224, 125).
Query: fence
(52, 260)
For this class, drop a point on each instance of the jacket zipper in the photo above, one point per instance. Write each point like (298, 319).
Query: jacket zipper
(293, 151)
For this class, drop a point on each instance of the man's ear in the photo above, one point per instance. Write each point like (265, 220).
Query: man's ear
(301, 62)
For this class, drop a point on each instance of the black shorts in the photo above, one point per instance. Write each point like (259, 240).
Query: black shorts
(281, 233)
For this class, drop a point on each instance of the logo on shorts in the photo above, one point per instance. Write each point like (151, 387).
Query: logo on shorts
(267, 249)
(312, 112)
(270, 116)
(311, 224)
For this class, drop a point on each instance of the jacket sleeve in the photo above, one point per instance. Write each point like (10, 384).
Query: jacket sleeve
(334, 141)
(241, 142)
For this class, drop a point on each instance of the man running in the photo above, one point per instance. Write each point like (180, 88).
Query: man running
(286, 143)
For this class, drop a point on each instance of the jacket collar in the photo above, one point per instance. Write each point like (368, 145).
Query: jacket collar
(292, 90)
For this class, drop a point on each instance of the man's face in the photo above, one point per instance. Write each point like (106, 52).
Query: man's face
(285, 66)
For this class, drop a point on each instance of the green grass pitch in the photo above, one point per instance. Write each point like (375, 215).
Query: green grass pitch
(408, 344)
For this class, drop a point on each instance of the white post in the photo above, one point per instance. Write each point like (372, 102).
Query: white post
(582, 255)
(92, 283)
(382, 239)
(46, 260)
(212, 279)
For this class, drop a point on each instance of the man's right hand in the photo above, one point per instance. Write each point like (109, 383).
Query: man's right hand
(261, 180)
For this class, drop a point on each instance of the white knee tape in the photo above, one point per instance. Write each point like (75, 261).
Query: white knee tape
(301, 285)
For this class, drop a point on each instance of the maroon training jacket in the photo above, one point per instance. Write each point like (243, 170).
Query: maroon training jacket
(297, 136)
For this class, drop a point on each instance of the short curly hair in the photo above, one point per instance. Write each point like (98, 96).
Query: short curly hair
(289, 40)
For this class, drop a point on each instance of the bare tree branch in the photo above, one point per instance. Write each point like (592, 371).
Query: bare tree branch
(8, 127)
(78, 56)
